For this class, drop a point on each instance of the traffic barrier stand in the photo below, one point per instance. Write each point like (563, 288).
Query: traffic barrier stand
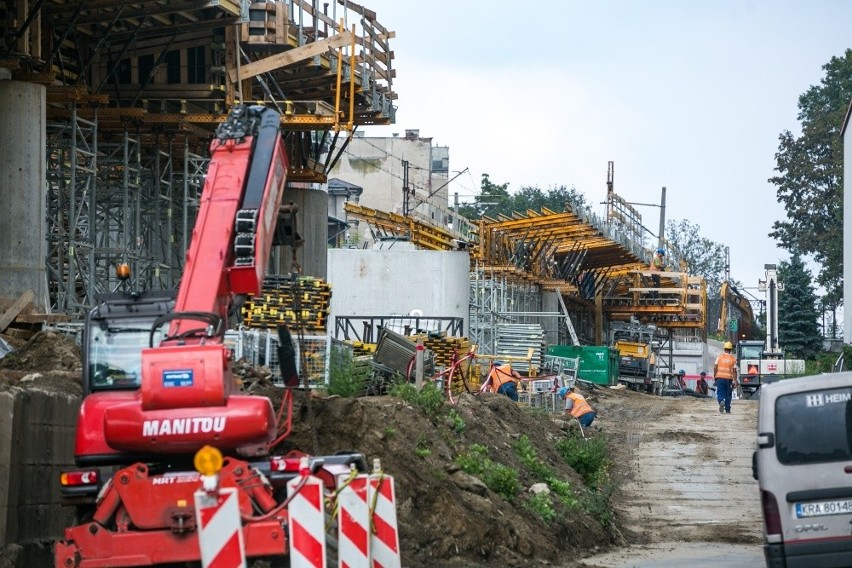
(384, 534)
(353, 522)
(307, 520)
(220, 535)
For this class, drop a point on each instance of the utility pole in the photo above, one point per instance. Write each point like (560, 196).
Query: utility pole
(662, 219)
(405, 188)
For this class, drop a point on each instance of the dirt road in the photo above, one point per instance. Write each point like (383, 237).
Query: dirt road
(686, 472)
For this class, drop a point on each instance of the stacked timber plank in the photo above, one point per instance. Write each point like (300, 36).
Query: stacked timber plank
(443, 347)
(301, 303)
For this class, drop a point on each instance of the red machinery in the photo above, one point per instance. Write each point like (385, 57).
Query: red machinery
(142, 419)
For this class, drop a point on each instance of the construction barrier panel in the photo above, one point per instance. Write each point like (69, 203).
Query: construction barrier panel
(384, 536)
(307, 522)
(220, 537)
(354, 524)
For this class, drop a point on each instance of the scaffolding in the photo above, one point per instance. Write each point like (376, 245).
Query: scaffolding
(113, 201)
(496, 299)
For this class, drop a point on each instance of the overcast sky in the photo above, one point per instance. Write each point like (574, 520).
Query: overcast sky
(683, 94)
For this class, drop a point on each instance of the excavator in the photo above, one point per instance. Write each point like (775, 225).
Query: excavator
(159, 389)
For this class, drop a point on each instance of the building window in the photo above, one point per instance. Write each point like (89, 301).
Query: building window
(122, 73)
(197, 65)
(146, 65)
(173, 67)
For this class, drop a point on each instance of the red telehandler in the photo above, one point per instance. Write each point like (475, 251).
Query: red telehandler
(158, 385)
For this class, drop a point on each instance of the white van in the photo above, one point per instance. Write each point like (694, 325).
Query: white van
(803, 464)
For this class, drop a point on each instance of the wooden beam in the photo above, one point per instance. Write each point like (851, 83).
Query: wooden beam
(286, 58)
(16, 308)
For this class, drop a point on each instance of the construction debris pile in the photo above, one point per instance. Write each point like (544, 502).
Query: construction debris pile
(48, 357)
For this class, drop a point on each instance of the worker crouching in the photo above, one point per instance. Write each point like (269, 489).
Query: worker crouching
(577, 406)
(503, 380)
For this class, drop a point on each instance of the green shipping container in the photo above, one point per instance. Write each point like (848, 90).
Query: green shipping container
(598, 364)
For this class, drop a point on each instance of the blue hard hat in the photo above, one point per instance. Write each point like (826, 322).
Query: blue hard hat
(681, 372)
(562, 392)
(661, 251)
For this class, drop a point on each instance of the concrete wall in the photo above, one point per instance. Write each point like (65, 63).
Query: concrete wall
(36, 444)
(23, 190)
(395, 282)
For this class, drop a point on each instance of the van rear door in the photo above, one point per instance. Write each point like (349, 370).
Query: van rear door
(811, 477)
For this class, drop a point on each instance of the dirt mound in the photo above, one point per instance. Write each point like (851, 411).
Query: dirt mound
(45, 351)
(448, 517)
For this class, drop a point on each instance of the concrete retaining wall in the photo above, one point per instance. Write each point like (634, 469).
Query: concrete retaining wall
(36, 443)
(396, 282)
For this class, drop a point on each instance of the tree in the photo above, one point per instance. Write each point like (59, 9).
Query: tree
(810, 176)
(703, 257)
(492, 198)
(495, 200)
(798, 330)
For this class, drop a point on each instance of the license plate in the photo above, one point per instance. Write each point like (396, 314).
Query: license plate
(824, 508)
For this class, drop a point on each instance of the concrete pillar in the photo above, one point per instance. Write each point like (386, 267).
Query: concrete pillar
(312, 225)
(23, 191)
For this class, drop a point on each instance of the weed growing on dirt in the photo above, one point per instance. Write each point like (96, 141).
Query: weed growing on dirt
(540, 471)
(343, 378)
(474, 460)
(526, 451)
(429, 398)
(422, 450)
(497, 477)
(390, 432)
(596, 502)
(587, 456)
(541, 504)
(456, 422)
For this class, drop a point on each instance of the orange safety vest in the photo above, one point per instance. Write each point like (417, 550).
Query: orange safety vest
(580, 407)
(500, 376)
(725, 365)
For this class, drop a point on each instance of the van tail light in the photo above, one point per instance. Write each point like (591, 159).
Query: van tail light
(771, 515)
(78, 478)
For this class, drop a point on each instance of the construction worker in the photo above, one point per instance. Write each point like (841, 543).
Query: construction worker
(681, 379)
(577, 406)
(503, 380)
(658, 264)
(701, 385)
(725, 373)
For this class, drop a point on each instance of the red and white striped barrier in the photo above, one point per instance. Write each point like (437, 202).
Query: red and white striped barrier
(384, 536)
(220, 537)
(354, 524)
(307, 520)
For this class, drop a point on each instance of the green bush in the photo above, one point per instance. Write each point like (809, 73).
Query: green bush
(596, 503)
(502, 480)
(588, 457)
(343, 380)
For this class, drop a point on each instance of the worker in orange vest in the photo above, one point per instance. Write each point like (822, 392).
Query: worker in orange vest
(503, 380)
(577, 406)
(725, 373)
